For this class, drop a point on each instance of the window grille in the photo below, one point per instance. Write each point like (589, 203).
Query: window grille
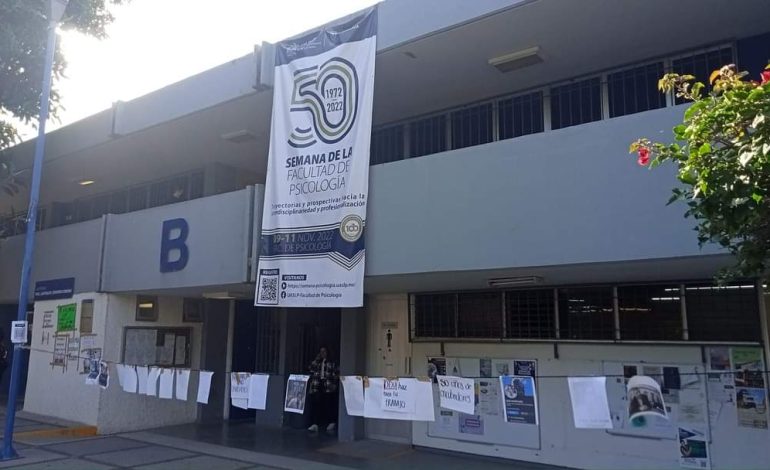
(722, 313)
(701, 65)
(529, 314)
(427, 136)
(635, 90)
(520, 115)
(480, 315)
(435, 315)
(472, 126)
(650, 312)
(576, 103)
(196, 185)
(101, 206)
(586, 313)
(137, 198)
(387, 145)
(268, 340)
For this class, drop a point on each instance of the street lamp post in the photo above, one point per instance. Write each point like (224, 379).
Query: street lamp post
(55, 12)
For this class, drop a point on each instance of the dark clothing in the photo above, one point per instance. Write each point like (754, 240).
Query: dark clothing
(323, 408)
(323, 376)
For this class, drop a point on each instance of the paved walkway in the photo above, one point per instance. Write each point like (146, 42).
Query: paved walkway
(225, 446)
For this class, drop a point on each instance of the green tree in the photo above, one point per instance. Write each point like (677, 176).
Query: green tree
(23, 31)
(722, 153)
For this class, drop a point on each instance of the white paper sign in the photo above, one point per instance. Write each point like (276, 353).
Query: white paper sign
(152, 381)
(258, 391)
(166, 387)
(423, 393)
(129, 379)
(182, 383)
(312, 245)
(204, 386)
(457, 393)
(141, 378)
(353, 388)
(398, 395)
(590, 408)
(239, 389)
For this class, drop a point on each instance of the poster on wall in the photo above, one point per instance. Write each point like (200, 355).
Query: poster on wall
(644, 398)
(65, 318)
(314, 217)
(750, 391)
(693, 449)
(421, 390)
(519, 399)
(104, 375)
(296, 392)
(59, 351)
(590, 407)
(91, 366)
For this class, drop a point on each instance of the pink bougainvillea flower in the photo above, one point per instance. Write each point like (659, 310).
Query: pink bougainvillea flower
(644, 156)
(765, 76)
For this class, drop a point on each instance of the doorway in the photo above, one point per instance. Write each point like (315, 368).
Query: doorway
(309, 330)
(244, 357)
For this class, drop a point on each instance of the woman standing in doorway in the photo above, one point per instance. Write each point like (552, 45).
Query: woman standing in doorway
(323, 392)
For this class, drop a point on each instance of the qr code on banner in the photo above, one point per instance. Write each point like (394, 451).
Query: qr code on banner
(268, 290)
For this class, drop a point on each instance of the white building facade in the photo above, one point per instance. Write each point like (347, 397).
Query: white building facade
(506, 222)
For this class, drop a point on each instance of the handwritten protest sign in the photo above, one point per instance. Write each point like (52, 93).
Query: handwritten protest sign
(398, 395)
(457, 393)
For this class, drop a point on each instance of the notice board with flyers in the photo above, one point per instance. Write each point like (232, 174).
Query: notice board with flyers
(683, 388)
(488, 424)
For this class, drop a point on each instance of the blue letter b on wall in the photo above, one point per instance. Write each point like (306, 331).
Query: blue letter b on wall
(173, 249)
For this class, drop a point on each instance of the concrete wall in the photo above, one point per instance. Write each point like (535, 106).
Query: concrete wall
(219, 243)
(111, 410)
(120, 411)
(68, 251)
(569, 196)
(561, 442)
(62, 392)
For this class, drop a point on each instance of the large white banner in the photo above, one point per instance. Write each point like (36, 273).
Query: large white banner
(312, 243)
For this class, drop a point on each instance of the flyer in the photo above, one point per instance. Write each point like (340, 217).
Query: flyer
(752, 407)
(488, 397)
(644, 398)
(719, 358)
(524, 368)
(693, 449)
(590, 407)
(471, 424)
(296, 389)
(519, 399)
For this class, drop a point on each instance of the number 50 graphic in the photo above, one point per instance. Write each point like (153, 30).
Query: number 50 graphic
(328, 92)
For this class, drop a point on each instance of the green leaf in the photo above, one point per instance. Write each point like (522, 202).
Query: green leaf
(704, 149)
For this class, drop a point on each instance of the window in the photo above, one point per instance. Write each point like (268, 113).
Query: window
(166, 347)
(586, 313)
(87, 316)
(529, 314)
(137, 198)
(722, 313)
(576, 103)
(635, 90)
(387, 145)
(701, 65)
(192, 310)
(427, 136)
(146, 308)
(119, 202)
(472, 126)
(480, 315)
(435, 315)
(520, 115)
(196, 185)
(650, 312)
(268, 340)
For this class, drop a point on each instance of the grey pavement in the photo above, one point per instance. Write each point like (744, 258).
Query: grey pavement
(231, 446)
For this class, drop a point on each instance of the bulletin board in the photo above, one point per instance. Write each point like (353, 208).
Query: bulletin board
(488, 425)
(169, 347)
(684, 394)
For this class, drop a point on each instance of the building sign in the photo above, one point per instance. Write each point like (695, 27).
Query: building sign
(312, 244)
(174, 252)
(54, 289)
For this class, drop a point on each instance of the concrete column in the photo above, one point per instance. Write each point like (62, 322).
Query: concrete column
(214, 356)
(352, 362)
